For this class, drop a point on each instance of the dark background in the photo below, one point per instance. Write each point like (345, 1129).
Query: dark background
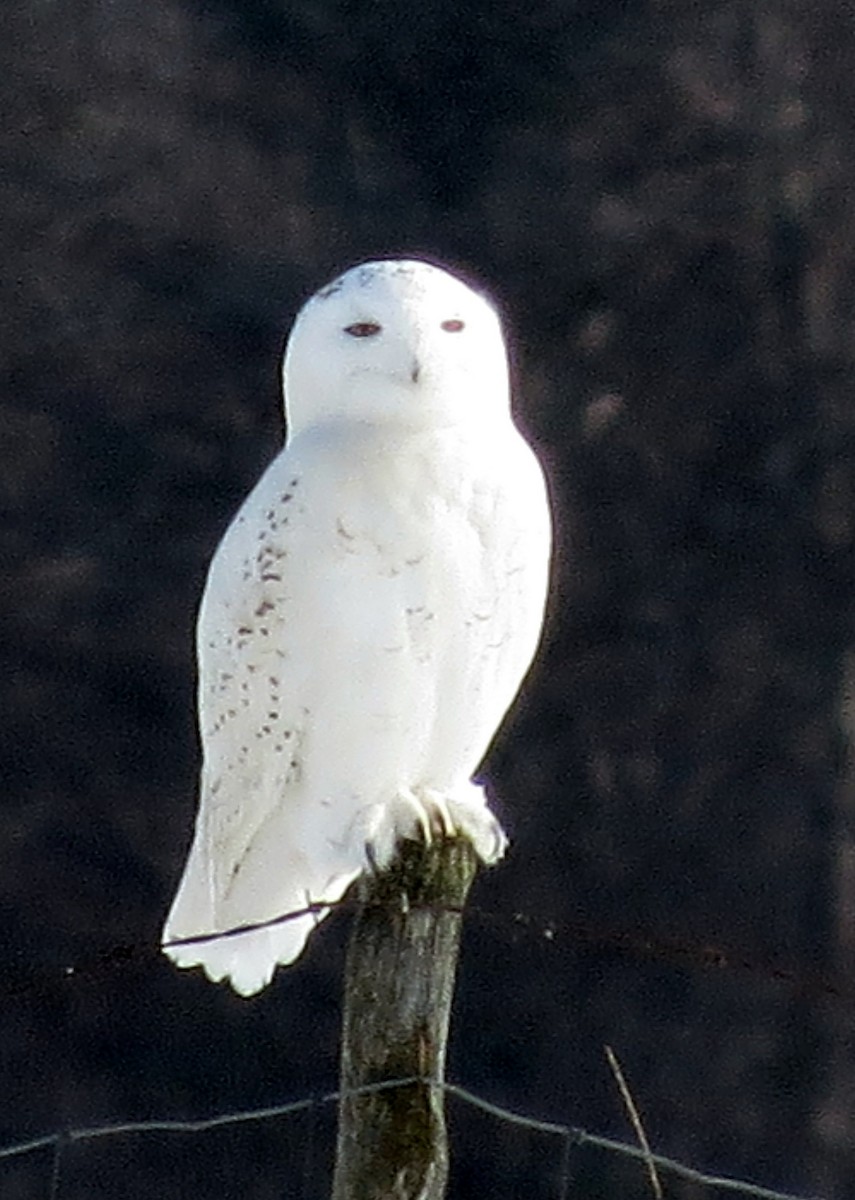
(660, 195)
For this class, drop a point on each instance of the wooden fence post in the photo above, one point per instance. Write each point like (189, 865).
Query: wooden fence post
(393, 1143)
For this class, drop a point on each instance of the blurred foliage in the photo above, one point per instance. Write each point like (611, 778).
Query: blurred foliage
(660, 196)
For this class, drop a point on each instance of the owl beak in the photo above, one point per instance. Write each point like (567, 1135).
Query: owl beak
(415, 370)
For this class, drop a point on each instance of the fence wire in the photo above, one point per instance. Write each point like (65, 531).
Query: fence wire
(677, 952)
(572, 1136)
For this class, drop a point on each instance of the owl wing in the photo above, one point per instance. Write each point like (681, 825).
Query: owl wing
(256, 853)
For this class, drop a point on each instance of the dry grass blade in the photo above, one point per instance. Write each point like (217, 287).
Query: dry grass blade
(634, 1117)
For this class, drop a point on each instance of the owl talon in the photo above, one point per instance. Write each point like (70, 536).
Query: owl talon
(441, 820)
(428, 814)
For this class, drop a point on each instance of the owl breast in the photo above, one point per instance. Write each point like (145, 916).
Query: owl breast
(433, 596)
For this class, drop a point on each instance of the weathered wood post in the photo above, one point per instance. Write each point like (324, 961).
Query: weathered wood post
(393, 1143)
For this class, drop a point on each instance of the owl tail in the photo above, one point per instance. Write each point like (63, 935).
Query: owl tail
(247, 957)
(244, 960)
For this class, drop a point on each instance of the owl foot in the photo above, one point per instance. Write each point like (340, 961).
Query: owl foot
(427, 814)
(473, 820)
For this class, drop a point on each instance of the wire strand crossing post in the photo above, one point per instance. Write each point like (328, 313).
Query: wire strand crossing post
(399, 981)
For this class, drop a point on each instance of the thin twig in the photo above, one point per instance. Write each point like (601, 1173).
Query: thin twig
(635, 1118)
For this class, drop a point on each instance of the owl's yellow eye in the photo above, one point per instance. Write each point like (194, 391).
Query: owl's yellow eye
(453, 326)
(362, 329)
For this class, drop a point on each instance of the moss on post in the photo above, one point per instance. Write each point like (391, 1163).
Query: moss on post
(393, 1144)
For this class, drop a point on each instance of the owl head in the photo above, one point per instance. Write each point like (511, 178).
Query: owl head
(396, 342)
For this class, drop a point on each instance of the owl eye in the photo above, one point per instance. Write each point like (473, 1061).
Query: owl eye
(453, 326)
(362, 329)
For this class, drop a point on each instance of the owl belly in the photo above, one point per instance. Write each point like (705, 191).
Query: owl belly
(425, 665)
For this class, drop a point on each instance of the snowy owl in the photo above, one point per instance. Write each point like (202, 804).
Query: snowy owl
(368, 616)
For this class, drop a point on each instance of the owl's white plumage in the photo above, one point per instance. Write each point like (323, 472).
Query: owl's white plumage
(368, 617)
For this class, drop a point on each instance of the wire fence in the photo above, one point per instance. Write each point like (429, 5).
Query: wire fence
(570, 1137)
(638, 944)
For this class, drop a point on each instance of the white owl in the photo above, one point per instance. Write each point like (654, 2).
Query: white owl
(368, 617)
